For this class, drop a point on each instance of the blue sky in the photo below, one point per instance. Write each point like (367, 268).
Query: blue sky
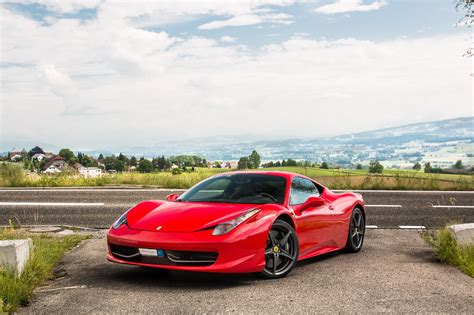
(395, 19)
(217, 67)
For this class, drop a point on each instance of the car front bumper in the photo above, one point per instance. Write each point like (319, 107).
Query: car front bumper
(239, 251)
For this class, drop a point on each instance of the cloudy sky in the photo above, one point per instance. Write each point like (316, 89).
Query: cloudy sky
(100, 73)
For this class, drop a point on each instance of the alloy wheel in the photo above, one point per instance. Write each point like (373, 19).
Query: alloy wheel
(281, 251)
(357, 229)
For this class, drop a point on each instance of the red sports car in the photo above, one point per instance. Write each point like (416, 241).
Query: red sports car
(239, 222)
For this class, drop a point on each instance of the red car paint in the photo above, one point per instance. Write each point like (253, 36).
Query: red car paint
(187, 226)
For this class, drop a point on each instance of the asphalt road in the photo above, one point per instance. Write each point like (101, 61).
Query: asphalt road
(98, 208)
(395, 272)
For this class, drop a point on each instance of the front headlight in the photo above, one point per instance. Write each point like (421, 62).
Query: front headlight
(228, 226)
(120, 221)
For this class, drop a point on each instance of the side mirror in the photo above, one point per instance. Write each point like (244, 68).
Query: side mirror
(172, 197)
(312, 202)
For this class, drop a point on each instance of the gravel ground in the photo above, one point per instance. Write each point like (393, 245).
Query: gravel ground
(395, 272)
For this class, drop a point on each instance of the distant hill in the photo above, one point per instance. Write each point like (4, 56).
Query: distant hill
(408, 142)
(439, 142)
(437, 131)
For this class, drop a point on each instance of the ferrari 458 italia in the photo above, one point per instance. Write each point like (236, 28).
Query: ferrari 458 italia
(238, 222)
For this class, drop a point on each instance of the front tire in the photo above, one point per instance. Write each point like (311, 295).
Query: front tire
(281, 250)
(355, 237)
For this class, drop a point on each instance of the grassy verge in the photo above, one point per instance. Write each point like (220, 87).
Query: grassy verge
(450, 252)
(11, 176)
(16, 290)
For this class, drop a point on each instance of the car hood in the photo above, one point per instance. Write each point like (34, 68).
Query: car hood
(182, 216)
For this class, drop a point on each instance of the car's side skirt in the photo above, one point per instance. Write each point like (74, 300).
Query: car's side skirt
(320, 251)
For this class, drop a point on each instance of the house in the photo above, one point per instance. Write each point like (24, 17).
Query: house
(231, 164)
(52, 170)
(38, 156)
(90, 171)
(56, 164)
(15, 156)
(48, 155)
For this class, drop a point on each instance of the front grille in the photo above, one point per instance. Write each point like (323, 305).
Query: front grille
(171, 258)
(124, 252)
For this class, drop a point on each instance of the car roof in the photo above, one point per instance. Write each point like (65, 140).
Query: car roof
(287, 175)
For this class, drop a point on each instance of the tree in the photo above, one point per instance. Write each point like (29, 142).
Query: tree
(101, 157)
(359, 166)
(119, 166)
(243, 163)
(291, 162)
(375, 167)
(145, 166)
(254, 160)
(458, 165)
(133, 161)
(35, 150)
(324, 165)
(161, 163)
(466, 6)
(80, 156)
(67, 154)
(417, 166)
(87, 161)
(427, 167)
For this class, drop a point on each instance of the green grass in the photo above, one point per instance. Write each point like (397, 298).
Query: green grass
(16, 290)
(450, 252)
(333, 178)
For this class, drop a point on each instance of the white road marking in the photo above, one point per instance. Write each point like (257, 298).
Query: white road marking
(62, 204)
(62, 288)
(384, 206)
(440, 206)
(418, 227)
(371, 227)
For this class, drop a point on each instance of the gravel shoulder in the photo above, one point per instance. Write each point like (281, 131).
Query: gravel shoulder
(395, 272)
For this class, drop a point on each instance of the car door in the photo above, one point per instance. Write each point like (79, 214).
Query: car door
(314, 224)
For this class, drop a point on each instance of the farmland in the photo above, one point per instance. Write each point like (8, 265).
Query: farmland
(333, 178)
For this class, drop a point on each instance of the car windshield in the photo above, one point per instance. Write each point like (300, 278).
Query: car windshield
(239, 188)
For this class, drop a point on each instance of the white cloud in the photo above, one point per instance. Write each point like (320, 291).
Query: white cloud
(249, 19)
(235, 21)
(341, 6)
(139, 87)
(64, 6)
(228, 39)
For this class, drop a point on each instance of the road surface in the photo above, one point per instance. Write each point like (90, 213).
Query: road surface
(98, 208)
(395, 272)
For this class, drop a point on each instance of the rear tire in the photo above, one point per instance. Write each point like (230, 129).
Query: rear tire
(281, 250)
(355, 237)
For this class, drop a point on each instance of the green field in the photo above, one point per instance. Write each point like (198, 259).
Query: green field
(13, 176)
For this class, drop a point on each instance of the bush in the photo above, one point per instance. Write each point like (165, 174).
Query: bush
(375, 167)
(11, 175)
(16, 290)
(450, 252)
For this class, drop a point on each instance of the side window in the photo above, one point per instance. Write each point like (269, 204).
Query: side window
(301, 189)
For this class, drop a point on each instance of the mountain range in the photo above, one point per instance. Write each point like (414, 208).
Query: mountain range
(444, 139)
